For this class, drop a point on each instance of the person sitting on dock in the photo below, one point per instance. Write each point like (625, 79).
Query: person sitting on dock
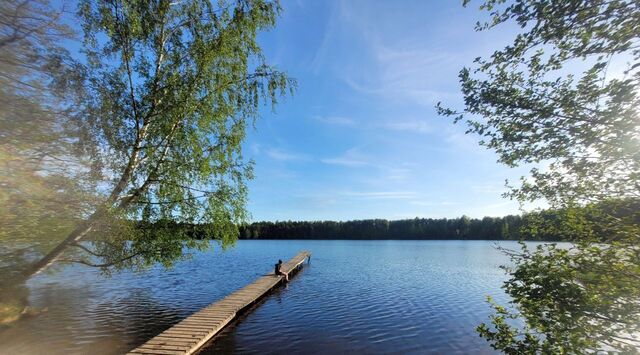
(279, 272)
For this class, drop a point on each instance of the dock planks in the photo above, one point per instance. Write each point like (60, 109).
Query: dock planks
(188, 336)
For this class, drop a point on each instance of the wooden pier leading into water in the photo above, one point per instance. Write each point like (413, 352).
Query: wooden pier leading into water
(188, 336)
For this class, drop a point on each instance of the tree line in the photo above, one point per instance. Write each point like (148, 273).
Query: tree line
(552, 225)
(541, 225)
(561, 224)
(499, 228)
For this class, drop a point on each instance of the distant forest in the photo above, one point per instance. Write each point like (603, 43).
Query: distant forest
(464, 228)
(543, 225)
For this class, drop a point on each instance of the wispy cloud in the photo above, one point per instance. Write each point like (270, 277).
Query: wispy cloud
(351, 158)
(343, 161)
(400, 87)
(256, 148)
(407, 69)
(331, 24)
(414, 126)
(397, 174)
(371, 73)
(283, 155)
(433, 203)
(335, 120)
(393, 172)
(381, 195)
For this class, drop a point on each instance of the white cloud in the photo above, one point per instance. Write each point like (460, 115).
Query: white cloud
(397, 174)
(381, 195)
(283, 155)
(378, 174)
(351, 158)
(335, 120)
(433, 203)
(320, 55)
(396, 66)
(343, 161)
(412, 88)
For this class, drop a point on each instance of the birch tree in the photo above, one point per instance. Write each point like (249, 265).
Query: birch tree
(171, 88)
(580, 130)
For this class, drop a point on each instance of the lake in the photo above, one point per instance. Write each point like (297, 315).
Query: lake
(355, 296)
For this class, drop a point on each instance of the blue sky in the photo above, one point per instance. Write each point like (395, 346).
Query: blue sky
(360, 138)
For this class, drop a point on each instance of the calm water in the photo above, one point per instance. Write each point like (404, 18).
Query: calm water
(354, 296)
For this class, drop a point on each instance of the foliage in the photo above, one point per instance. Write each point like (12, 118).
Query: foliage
(46, 182)
(172, 87)
(581, 132)
(492, 228)
(571, 300)
(143, 126)
(585, 127)
(565, 224)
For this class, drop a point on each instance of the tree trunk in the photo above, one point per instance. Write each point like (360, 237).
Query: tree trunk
(75, 236)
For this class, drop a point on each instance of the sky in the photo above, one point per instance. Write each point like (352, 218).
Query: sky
(360, 138)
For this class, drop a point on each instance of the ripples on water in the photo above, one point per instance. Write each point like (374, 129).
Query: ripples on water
(354, 296)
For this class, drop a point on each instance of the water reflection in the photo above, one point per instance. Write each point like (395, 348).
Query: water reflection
(355, 296)
(13, 302)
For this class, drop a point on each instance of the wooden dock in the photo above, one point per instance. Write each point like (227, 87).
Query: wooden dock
(188, 336)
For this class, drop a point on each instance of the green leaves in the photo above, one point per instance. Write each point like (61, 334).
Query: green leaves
(575, 299)
(579, 131)
(47, 180)
(175, 85)
(534, 114)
